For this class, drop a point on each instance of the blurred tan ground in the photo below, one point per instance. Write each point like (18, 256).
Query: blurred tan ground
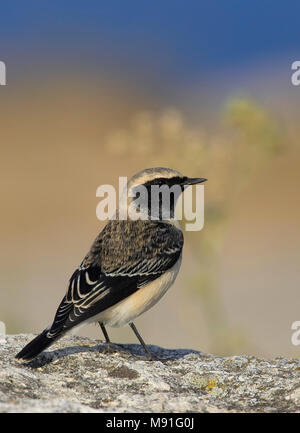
(52, 160)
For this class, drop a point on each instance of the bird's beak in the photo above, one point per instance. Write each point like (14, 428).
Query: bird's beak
(194, 180)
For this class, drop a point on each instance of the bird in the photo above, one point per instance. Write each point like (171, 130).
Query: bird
(129, 267)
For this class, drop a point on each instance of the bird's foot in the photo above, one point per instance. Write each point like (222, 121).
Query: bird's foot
(151, 357)
(146, 357)
(109, 348)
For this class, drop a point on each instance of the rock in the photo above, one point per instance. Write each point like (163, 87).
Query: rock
(74, 376)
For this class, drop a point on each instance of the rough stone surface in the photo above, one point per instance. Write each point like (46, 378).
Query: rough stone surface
(74, 376)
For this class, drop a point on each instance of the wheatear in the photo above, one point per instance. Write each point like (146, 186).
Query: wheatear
(130, 266)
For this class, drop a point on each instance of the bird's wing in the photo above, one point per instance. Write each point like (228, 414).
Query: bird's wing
(125, 256)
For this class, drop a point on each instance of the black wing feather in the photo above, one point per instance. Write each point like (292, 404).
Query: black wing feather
(127, 263)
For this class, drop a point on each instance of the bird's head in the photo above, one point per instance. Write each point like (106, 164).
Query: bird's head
(153, 193)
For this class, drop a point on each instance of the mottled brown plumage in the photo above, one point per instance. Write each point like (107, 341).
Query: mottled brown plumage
(121, 244)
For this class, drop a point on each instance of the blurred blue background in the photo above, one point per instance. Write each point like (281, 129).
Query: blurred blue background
(177, 40)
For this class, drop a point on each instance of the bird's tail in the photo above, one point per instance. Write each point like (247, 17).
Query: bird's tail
(37, 345)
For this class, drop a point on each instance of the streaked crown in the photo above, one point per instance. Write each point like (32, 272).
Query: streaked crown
(150, 175)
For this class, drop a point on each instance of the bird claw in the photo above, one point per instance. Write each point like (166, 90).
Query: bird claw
(151, 357)
(109, 348)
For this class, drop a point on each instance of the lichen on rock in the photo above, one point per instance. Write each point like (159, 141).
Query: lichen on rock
(76, 376)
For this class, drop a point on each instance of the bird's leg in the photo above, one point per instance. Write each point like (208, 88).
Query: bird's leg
(109, 347)
(104, 332)
(150, 357)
